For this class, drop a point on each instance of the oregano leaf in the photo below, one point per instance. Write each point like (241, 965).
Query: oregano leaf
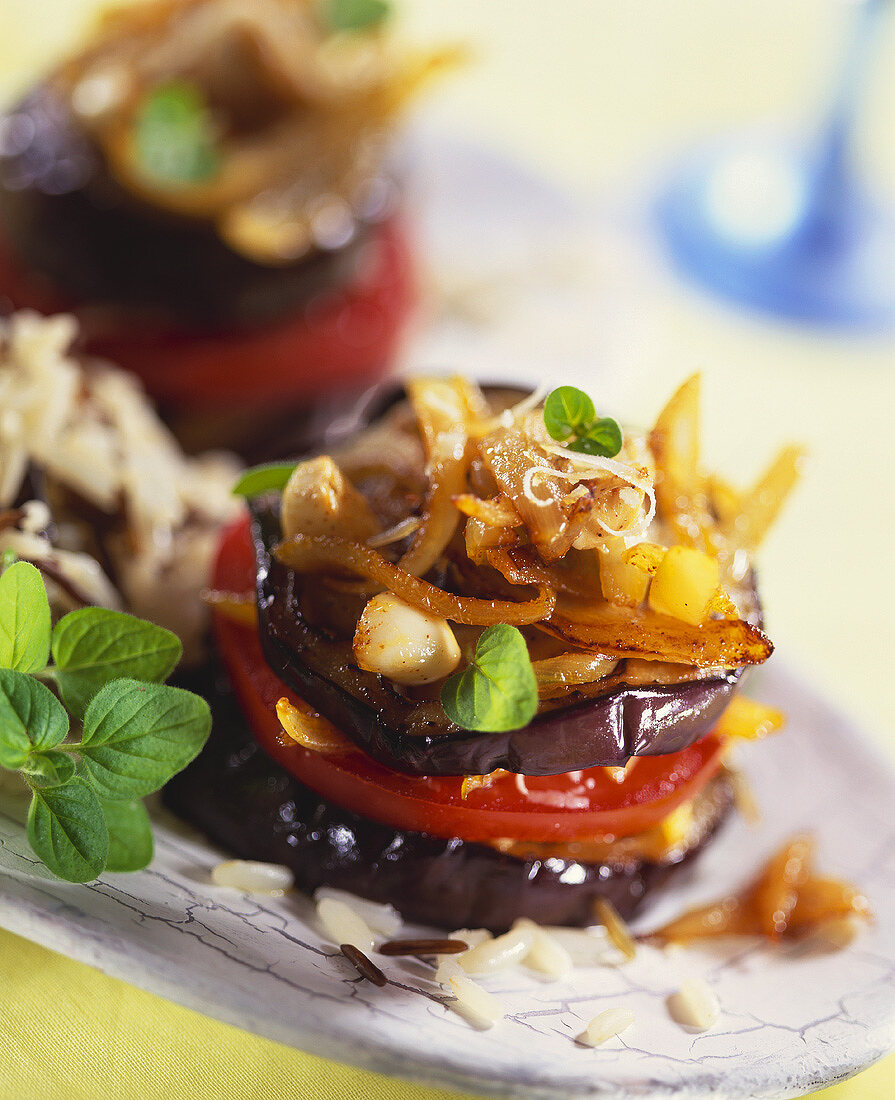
(94, 645)
(136, 736)
(24, 619)
(498, 690)
(131, 846)
(31, 718)
(67, 830)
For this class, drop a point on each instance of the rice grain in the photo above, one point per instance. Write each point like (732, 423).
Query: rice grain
(694, 1005)
(606, 1025)
(380, 916)
(547, 955)
(498, 954)
(253, 877)
(343, 925)
(482, 1006)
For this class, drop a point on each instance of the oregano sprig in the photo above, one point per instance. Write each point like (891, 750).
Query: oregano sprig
(571, 419)
(111, 733)
(175, 141)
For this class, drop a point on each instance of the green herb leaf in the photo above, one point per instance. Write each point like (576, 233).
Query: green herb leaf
(570, 418)
(567, 410)
(24, 619)
(31, 717)
(263, 479)
(130, 836)
(604, 437)
(67, 830)
(498, 690)
(8, 558)
(175, 137)
(93, 645)
(136, 736)
(353, 15)
(49, 769)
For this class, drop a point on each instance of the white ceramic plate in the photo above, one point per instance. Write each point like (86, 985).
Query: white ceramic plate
(792, 1018)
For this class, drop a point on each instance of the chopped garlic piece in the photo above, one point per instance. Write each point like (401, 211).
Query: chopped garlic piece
(403, 643)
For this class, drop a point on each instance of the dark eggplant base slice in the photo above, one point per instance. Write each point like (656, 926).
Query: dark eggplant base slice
(242, 800)
(66, 219)
(606, 729)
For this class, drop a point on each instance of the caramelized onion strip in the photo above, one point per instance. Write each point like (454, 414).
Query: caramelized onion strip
(499, 511)
(572, 668)
(629, 632)
(311, 731)
(520, 566)
(442, 408)
(761, 505)
(777, 891)
(310, 555)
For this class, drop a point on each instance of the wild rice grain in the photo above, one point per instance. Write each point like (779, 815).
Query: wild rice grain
(485, 1008)
(606, 1025)
(343, 925)
(364, 966)
(423, 947)
(694, 1005)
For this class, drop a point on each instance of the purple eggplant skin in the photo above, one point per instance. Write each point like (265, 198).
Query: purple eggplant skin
(607, 729)
(67, 220)
(244, 801)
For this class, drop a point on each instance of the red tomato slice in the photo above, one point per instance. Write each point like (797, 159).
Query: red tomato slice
(574, 806)
(348, 337)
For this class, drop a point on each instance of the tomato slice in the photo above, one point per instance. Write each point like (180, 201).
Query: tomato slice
(574, 806)
(348, 336)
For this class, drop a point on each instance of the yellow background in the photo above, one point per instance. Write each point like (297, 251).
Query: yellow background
(591, 93)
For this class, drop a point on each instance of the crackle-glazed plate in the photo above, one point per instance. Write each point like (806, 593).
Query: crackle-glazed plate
(792, 1019)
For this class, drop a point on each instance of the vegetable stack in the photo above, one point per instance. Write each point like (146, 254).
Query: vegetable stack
(508, 628)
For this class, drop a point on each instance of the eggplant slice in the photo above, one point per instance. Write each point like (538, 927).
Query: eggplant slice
(243, 800)
(608, 728)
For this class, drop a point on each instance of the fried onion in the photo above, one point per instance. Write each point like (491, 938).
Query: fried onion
(308, 554)
(630, 632)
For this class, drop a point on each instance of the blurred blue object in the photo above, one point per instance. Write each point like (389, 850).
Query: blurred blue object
(785, 230)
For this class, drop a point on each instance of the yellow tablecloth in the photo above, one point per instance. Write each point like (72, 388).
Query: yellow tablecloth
(590, 92)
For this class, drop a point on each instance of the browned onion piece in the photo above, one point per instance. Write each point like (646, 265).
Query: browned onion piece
(309, 555)
(571, 669)
(507, 454)
(447, 477)
(443, 412)
(497, 512)
(520, 566)
(628, 632)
